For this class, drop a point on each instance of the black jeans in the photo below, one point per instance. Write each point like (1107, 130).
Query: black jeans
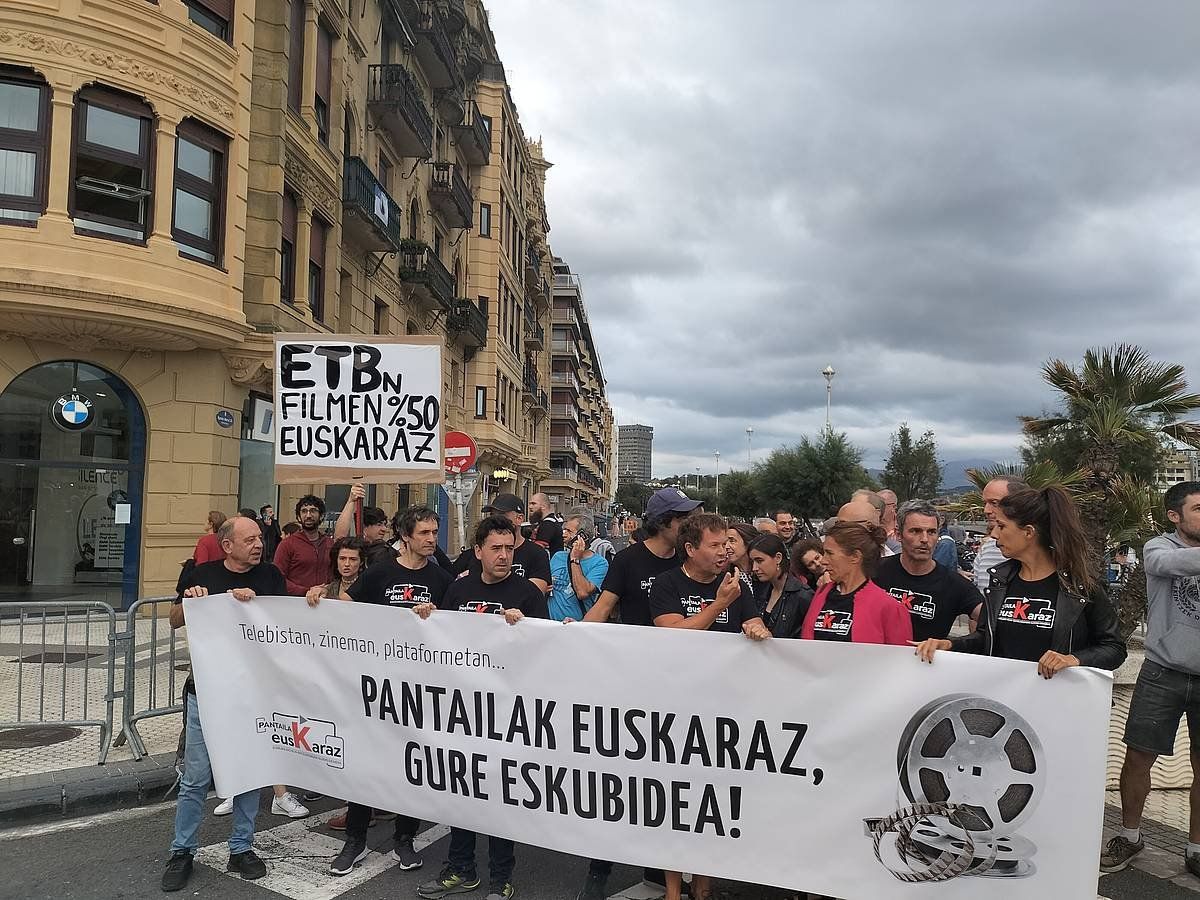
(501, 858)
(603, 868)
(358, 820)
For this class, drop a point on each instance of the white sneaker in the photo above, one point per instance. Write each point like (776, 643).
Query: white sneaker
(224, 808)
(289, 806)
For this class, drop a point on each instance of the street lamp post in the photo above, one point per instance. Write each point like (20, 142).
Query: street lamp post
(749, 447)
(828, 372)
(697, 478)
(717, 486)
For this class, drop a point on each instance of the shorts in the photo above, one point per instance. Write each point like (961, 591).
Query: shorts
(1160, 697)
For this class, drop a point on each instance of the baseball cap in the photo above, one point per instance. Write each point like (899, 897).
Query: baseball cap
(669, 500)
(505, 503)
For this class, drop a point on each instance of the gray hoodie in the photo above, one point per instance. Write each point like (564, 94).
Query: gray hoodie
(1173, 596)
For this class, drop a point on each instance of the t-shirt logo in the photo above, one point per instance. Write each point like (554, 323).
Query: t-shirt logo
(407, 593)
(1033, 611)
(920, 605)
(834, 621)
(518, 569)
(480, 606)
(646, 584)
(1185, 590)
(693, 606)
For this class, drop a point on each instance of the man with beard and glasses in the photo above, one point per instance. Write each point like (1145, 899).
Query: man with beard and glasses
(303, 557)
(244, 575)
(626, 593)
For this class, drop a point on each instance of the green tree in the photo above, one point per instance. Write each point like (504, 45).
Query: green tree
(738, 495)
(913, 469)
(633, 496)
(1116, 413)
(812, 478)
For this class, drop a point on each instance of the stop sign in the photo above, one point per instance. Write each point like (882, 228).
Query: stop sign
(460, 452)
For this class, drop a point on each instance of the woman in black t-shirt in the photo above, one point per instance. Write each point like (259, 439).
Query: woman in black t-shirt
(1044, 604)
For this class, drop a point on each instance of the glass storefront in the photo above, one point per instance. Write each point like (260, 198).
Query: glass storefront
(72, 451)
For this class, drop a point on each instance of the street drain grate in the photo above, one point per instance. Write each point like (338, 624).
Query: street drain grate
(58, 656)
(26, 738)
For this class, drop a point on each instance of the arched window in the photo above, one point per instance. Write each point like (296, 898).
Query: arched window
(112, 193)
(414, 220)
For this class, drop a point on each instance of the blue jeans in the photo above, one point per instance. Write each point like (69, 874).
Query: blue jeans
(193, 788)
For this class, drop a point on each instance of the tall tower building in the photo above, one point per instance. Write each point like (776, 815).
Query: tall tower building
(635, 448)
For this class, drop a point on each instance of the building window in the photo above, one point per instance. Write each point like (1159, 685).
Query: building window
(214, 16)
(111, 194)
(24, 138)
(324, 82)
(287, 250)
(316, 269)
(381, 317)
(486, 122)
(296, 55)
(480, 401)
(385, 173)
(199, 191)
(485, 220)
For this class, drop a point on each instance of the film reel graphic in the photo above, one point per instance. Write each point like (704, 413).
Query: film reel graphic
(971, 773)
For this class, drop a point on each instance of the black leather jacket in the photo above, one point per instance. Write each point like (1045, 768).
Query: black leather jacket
(1084, 627)
(785, 620)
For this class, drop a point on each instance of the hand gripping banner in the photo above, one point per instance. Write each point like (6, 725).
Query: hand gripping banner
(848, 770)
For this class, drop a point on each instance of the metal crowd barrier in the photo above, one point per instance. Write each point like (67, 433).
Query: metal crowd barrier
(158, 652)
(53, 663)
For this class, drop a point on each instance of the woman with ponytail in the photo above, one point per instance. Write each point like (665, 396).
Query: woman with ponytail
(852, 607)
(1044, 604)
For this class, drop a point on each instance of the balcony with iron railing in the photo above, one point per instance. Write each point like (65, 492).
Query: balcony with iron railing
(564, 316)
(565, 474)
(395, 101)
(451, 196)
(564, 411)
(535, 335)
(533, 268)
(567, 349)
(434, 50)
(564, 379)
(468, 321)
(420, 266)
(372, 218)
(473, 138)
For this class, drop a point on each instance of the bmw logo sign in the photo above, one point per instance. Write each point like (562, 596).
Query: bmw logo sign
(72, 411)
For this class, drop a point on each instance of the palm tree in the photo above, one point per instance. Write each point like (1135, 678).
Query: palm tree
(1117, 404)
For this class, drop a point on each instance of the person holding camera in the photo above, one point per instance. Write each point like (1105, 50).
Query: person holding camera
(576, 570)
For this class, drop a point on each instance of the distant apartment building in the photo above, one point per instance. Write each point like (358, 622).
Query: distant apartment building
(581, 420)
(635, 445)
(1178, 465)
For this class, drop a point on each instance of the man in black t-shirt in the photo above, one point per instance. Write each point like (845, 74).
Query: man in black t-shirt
(495, 589)
(934, 595)
(529, 560)
(415, 582)
(704, 595)
(244, 575)
(547, 524)
(626, 592)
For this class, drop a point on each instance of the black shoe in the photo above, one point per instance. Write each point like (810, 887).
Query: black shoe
(354, 852)
(593, 888)
(246, 864)
(179, 870)
(406, 855)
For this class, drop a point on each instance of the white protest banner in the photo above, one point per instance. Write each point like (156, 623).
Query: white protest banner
(791, 763)
(355, 408)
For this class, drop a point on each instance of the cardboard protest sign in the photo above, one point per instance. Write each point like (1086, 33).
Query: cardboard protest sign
(358, 408)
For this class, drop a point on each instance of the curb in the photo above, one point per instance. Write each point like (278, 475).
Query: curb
(68, 793)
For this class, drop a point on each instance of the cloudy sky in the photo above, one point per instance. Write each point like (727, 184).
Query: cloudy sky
(932, 197)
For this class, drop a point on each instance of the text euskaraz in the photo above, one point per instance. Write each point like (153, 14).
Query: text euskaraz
(337, 402)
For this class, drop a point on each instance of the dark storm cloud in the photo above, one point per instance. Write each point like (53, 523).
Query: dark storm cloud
(935, 198)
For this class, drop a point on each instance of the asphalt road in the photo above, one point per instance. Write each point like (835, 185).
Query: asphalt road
(122, 854)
